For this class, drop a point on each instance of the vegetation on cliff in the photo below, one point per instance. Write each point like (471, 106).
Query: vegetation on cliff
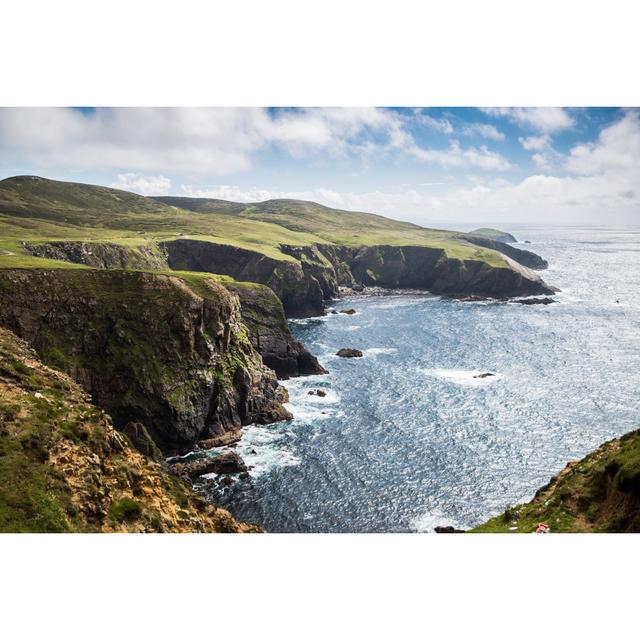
(64, 468)
(600, 493)
(302, 250)
(493, 234)
(168, 351)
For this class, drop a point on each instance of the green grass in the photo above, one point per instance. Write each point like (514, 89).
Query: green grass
(124, 510)
(599, 493)
(39, 210)
(492, 234)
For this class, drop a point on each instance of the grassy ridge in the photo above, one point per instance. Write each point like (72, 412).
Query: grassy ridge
(37, 210)
(600, 493)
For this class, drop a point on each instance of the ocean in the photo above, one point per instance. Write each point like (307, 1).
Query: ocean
(406, 438)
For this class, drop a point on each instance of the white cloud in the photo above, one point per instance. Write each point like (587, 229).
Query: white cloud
(441, 125)
(544, 119)
(617, 150)
(144, 185)
(455, 156)
(483, 130)
(541, 198)
(535, 143)
(192, 142)
(188, 141)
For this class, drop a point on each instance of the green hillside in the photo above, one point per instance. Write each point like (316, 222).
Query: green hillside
(600, 493)
(35, 210)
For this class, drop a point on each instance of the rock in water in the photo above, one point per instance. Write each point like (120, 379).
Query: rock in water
(485, 375)
(349, 353)
(225, 463)
(448, 529)
(536, 301)
(349, 312)
(318, 392)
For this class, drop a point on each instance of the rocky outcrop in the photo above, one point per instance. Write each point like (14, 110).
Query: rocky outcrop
(148, 348)
(269, 332)
(142, 441)
(317, 272)
(101, 255)
(260, 307)
(300, 292)
(525, 258)
(544, 301)
(349, 353)
(600, 493)
(228, 462)
(430, 269)
(64, 468)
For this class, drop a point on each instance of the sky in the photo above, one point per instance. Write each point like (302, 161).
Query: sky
(540, 165)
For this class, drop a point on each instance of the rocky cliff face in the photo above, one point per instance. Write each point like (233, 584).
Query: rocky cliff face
(261, 310)
(101, 255)
(600, 493)
(149, 348)
(523, 257)
(63, 467)
(319, 271)
(269, 332)
(430, 269)
(300, 293)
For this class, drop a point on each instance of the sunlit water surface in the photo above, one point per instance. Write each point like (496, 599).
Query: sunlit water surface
(406, 438)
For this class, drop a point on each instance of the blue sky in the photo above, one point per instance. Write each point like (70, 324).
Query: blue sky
(427, 165)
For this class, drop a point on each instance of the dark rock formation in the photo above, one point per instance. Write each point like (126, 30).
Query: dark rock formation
(148, 349)
(448, 529)
(64, 468)
(142, 441)
(269, 332)
(300, 292)
(485, 375)
(521, 256)
(349, 353)
(544, 300)
(225, 463)
(318, 392)
(317, 272)
(349, 312)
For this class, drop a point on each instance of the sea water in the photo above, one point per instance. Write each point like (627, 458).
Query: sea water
(408, 438)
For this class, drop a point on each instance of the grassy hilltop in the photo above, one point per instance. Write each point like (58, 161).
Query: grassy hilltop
(36, 210)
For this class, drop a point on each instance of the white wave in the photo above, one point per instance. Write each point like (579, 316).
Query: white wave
(309, 320)
(310, 408)
(374, 351)
(355, 327)
(261, 449)
(427, 522)
(465, 377)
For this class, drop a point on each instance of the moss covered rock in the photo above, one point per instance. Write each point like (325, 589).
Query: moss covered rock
(148, 348)
(64, 468)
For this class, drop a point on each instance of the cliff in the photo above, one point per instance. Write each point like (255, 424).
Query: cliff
(523, 257)
(319, 271)
(600, 493)
(269, 332)
(303, 251)
(64, 468)
(169, 352)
